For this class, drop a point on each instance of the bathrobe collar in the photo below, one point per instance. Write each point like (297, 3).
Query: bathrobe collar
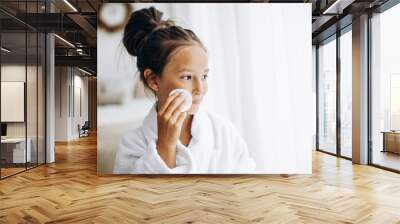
(151, 131)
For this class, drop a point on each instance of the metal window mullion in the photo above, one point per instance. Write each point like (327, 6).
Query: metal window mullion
(60, 91)
(69, 92)
(37, 91)
(72, 93)
(338, 94)
(45, 88)
(26, 88)
(0, 95)
(369, 89)
(45, 95)
(317, 95)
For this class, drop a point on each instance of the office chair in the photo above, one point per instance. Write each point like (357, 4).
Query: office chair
(84, 130)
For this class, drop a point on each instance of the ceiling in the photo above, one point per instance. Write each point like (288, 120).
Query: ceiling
(329, 16)
(76, 24)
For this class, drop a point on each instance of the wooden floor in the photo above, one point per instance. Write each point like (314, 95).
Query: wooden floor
(69, 191)
(10, 171)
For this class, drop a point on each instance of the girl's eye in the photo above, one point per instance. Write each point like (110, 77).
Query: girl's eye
(186, 77)
(205, 76)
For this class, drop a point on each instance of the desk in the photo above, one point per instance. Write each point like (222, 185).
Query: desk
(391, 141)
(15, 148)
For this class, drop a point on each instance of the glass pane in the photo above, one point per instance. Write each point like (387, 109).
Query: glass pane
(41, 98)
(327, 97)
(346, 93)
(22, 67)
(13, 87)
(386, 89)
(31, 101)
(31, 85)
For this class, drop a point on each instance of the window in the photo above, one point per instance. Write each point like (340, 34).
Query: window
(346, 94)
(385, 89)
(327, 97)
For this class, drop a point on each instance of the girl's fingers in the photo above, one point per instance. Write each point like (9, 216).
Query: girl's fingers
(175, 114)
(181, 118)
(173, 105)
(167, 103)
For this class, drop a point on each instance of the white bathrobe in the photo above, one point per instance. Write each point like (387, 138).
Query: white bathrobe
(215, 147)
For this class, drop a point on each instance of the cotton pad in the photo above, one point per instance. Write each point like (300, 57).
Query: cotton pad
(187, 98)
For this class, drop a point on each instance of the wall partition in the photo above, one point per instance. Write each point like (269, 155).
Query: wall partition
(22, 77)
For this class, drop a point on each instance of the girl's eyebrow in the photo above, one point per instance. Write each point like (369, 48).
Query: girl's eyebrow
(190, 70)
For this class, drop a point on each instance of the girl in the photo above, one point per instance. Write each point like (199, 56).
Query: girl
(171, 141)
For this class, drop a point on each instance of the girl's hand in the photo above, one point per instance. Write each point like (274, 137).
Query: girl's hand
(169, 124)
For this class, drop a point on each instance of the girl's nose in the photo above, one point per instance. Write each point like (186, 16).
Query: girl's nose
(197, 86)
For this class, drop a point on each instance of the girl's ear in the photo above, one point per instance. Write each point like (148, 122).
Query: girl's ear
(151, 80)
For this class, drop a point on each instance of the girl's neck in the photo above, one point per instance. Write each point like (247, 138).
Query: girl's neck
(186, 134)
(187, 123)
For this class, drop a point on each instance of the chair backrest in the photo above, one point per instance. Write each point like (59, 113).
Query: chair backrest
(86, 125)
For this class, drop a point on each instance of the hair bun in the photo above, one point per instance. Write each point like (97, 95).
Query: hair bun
(140, 24)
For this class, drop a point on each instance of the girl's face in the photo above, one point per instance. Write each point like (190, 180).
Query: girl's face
(187, 69)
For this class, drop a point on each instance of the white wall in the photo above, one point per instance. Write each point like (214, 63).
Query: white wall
(68, 81)
(34, 125)
(80, 83)
(61, 83)
(17, 73)
(12, 73)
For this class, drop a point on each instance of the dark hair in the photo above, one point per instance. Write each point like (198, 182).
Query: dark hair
(152, 40)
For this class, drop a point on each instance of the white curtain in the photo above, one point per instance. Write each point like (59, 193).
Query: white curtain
(260, 75)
